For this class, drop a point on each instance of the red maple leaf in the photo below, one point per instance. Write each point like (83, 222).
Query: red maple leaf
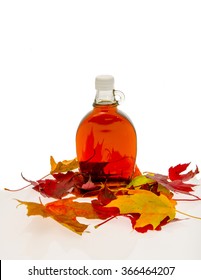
(175, 181)
(59, 186)
(175, 172)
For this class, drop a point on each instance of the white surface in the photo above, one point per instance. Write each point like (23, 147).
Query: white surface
(23, 237)
(152, 48)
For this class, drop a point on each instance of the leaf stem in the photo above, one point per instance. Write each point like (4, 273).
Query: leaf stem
(188, 215)
(105, 221)
(31, 182)
(186, 199)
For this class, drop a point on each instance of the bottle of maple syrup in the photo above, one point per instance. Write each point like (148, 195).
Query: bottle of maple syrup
(106, 142)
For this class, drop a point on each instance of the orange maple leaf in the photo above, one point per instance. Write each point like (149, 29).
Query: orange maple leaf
(64, 211)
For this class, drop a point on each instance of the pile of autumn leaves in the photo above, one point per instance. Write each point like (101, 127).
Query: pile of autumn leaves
(147, 201)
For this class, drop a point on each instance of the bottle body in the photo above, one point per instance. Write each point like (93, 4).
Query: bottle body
(106, 145)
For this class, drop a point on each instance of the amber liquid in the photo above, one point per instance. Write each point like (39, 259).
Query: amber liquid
(106, 145)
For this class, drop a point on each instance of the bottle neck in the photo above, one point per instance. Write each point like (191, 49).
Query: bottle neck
(105, 97)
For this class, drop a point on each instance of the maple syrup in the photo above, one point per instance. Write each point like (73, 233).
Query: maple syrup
(106, 142)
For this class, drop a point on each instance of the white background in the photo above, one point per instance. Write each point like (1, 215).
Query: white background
(50, 53)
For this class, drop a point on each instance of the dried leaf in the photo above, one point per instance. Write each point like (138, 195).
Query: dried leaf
(146, 201)
(153, 209)
(176, 186)
(174, 180)
(174, 173)
(34, 208)
(144, 183)
(140, 180)
(105, 195)
(59, 186)
(64, 211)
(89, 185)
(63, 166)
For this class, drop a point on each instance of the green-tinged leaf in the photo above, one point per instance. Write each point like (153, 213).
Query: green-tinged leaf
(140, 180)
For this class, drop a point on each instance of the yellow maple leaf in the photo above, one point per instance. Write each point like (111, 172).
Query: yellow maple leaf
(153, 209)
(63, 166)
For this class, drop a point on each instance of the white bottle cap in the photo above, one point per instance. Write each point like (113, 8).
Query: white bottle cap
(104, 82)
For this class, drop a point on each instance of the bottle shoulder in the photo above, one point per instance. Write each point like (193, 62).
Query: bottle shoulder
(106, 115)
(125, 116)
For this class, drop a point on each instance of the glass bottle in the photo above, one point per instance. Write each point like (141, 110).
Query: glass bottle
(106, 142)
